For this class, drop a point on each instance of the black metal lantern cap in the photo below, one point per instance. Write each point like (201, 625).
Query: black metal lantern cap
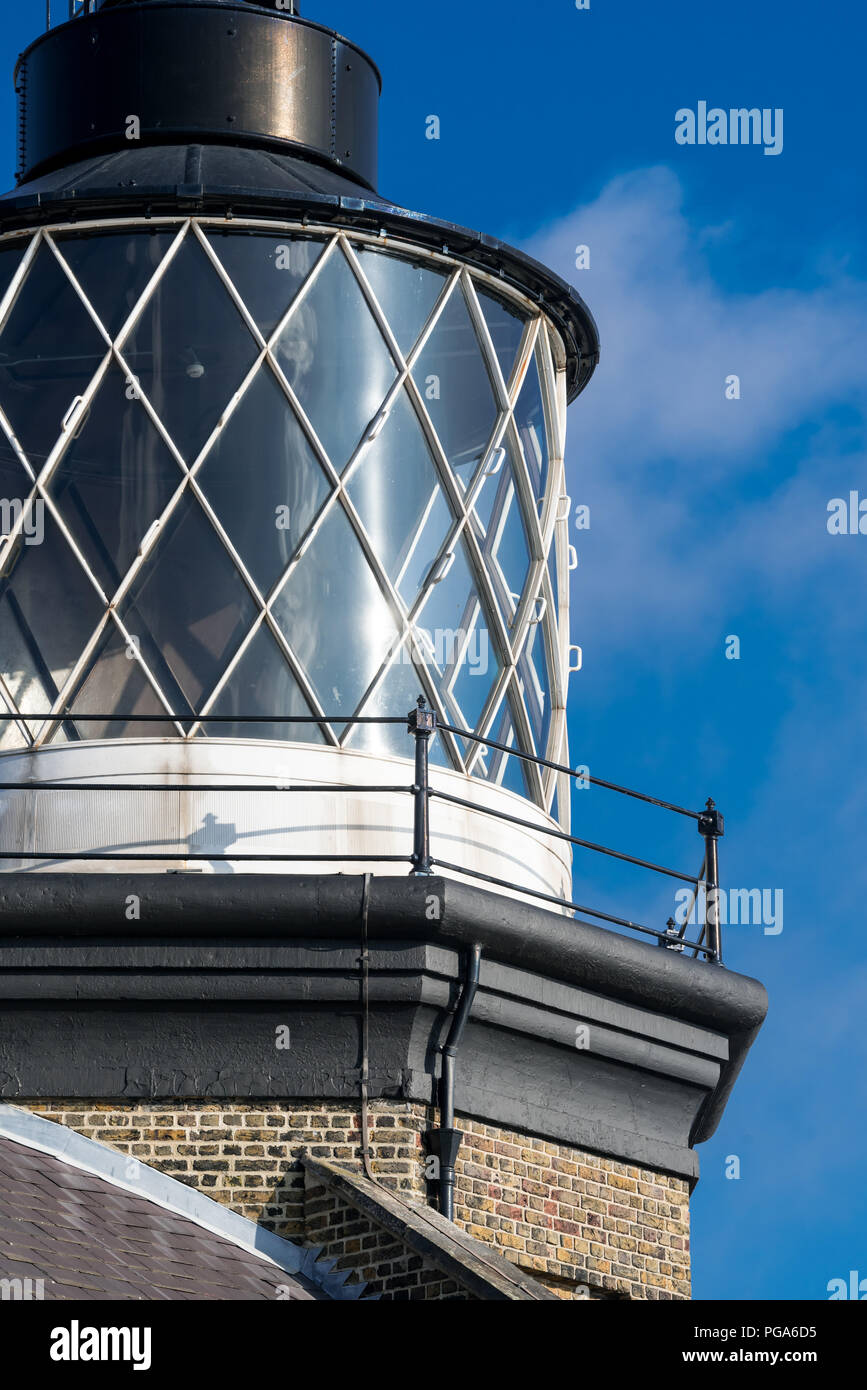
(154, 71)
(301, 144)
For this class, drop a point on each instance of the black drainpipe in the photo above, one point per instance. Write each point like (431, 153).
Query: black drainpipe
(446, 1141)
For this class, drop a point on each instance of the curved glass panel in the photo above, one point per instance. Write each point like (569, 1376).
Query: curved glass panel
(406, 292)
(322, 621)
(336, 360)
(267, 271)
(455, 638)
(530, 420)
(534, 684)
(262, 683)
(188, 609)
(335, 616)
(263, 479)
(506, 327)
(396, 491)
(50, 349)
(396, 694)
(48, 610)
(502, 532)
(496, 766)
(191, 349)
(456, 385)
(115, 683)
(11, 257)
(113, 270)
(114, 480)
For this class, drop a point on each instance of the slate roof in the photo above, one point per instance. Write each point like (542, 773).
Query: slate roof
(90, 1239)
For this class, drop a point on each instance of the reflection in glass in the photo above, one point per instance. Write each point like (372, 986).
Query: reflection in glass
(267, 271)
(506, 327)
(50, 349)
(456, 641)
(114, 480)
(453, 379)
(48, 613)
(335, 616)
(396, 694)
(263, 479)
(11, 256)
(396, 491)
(191, 349)
(406, 292)
(496, 766)
(188, 607)
(530, 419)
(15, 488)
(535, 686)
(114, 269)
(336, 360)
(115, 683)
(503, 534)
(263, 683)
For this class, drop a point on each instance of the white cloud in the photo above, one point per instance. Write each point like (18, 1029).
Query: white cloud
(698, 500)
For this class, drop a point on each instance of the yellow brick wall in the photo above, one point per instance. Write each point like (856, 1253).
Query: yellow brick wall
(581, 1224)
(574, 1219)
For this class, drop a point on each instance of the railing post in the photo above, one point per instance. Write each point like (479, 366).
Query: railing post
(422, 724)
(711, 827)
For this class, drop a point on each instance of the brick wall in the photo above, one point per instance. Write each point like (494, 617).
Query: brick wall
(573, 1219)
(580, 1224)
(388, 1266)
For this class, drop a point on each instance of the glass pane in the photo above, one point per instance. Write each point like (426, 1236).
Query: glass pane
(535, 686)
(530, 419)
(452, 378)
(335, 617)
(50, 349)
(191, 349)
(456, 640)
(48, 608)
(11, 256)
(397, 493)
(116, 684)
(15, 488)
(12, 735)
(504, 542)
(406, 292)
(188, 607)
(267, 271)
(113, 269)
(28, 680)
(263, 683)
(335, 358)
(263, 479)
(396, 694)
(506, 327)
(114, 480)
(496, 766)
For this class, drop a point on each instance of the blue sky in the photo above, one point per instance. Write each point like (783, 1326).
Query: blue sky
(708, 516)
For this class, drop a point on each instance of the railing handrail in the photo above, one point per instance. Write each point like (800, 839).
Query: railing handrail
(422, 723)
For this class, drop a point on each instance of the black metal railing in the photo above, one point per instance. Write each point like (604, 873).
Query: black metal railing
(423, 725)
